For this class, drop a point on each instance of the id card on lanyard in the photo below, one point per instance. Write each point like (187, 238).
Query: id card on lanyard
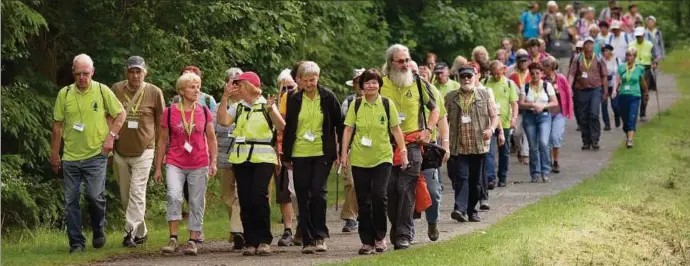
(188, 127)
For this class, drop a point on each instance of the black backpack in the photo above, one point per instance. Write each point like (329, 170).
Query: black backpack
(386, 106)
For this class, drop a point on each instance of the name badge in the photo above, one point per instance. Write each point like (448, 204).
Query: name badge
(465, 119)
(132, 124)
(366, 142)
(240, 140)
(309, 136)
(557, 44)
(401, 116)
(627, 87)
(584, 75)
(79, 126)
(188, 147)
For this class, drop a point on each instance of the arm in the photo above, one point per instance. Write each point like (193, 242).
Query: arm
(604, 81)
(514, 108)
(212, 144)
(444, 133)
(276, 118)
(222, 114)
(347, 135)
(55, 146)
(114, 128)
(337, 118)
(161, 148)
(662, 50)
(553, 102)
(521, 25)
(400, 143)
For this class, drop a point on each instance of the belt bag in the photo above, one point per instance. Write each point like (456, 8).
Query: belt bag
(432, 156)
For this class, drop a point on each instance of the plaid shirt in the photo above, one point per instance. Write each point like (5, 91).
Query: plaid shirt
(466, 138)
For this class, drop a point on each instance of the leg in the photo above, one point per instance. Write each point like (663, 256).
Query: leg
(175, 179)
(379, 201)
(318, 204)
(457, 169)
(136, 209)
(363, 185)
(72, 177)
(582, 112)
(260, 203)
(284, 196)
(227, 191)
(433, 184)
(244, 176)
(593, 115)
(558, 123)
(94, 179)
(123, 175)
(197, 181)
(490, 165)
(393, 197)
(303, 172)
(544, 133)
(349, 211)
(633, 104)
(529, 122)
(406, 189)
(476, 164)
(605, 114)
(504, 157)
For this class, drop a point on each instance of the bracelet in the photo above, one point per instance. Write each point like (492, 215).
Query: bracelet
(113, 134)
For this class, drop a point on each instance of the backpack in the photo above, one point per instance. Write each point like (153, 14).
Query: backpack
(274, 138)
(100, 88)
(527, 87)
(386, 107)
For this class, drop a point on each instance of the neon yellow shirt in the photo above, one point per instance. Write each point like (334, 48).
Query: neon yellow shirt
(309, 121)
(371, 123)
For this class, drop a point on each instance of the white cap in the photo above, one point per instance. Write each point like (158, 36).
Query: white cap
(639, 31)
(615, 24)
(588, 39)
(356, 73)
(551, 3)
(652, 18)
(579, 44)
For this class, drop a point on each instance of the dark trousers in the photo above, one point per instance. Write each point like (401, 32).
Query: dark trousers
(466, 170)
(587, 106)
(252, 191)
(605, 109)
(402, 186)
(370, 188)
(91, 172)
(629, 106)
(651, 85)
(310, 175)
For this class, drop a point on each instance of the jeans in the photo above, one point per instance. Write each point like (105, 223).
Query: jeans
(587, 107)
(255, 212)
(370, 186)
(311, 179)
(538, 129)
(433, 184)
(490, 160)
(628, 107)
(558, 122)
(466, 171)
(503, 156)
(92, 173)
(605, 109)
(401, 191)
(195, 180)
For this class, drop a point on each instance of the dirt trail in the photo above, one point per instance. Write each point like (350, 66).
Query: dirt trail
(577, 165)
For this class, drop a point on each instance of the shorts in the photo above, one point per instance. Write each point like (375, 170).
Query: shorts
(285, 188)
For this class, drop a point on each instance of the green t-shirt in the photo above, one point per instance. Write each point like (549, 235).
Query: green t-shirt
(309, 122)
(406, 101)
(630, 80)
(449, 86)
(440, 104)
(86, 111)
(644, 52)
(371, 122)
(505, 93)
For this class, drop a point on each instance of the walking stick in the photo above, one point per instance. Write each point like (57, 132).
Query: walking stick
(656, 92)
(337, 186)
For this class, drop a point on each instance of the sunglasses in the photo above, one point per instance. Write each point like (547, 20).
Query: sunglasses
(402, 61)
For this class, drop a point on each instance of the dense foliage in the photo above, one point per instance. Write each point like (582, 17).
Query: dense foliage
(41, 37)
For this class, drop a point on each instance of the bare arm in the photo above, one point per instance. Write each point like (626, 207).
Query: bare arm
(222, 113)
(161, 148)
(212, 144)
(400, 142)
(552, 102)
(276, 118)
(433, 118)
(55, 146)
(347, 135)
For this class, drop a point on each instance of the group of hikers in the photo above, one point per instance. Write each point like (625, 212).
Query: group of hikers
(389, 139)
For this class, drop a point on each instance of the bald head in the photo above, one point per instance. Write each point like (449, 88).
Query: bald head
(82, 71)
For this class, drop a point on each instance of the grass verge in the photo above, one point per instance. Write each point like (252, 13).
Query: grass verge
(634, 212)
(50, 246)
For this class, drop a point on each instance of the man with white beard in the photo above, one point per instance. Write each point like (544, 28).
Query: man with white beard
(408, 94)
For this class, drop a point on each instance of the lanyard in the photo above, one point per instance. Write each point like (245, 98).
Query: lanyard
(77, 97)
(522, 78)
(368, 120)
(587, 64)
(466, 104)
(558, 35)
(312, 114)
(141, 91)
(629, 72)
(188, 127)
(535, 91)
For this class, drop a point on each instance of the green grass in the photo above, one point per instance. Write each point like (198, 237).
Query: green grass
(634, 212)
(50, 246)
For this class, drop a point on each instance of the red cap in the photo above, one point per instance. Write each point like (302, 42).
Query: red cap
(250, 77)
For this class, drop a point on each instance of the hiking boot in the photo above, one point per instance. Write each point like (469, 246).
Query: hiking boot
(76, 249)
(402, 244)
(545, 178)
(237, 240)
(433, 232)
(350, 226)
(286, 239)
(501, 184)
(308, 249)
(321, 246)
(366, 250)
(492, 185)
(586, 147)
(381, 245)
(618, 122)
(98, 240)
(141, 240)
(297, 240)
(248, 251)
(607, 128)
(171, 247)
(555, 168)
(484, 206)
(459, 216)
(535, 179)
(263, 250)
(475, 218)
(595, 146)
(190, 249)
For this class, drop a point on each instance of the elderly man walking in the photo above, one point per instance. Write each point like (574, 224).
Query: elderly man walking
(134, 150)
(79, 118)
(409, 95)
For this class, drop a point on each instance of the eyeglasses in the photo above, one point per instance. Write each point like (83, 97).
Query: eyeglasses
(84, 73)
(465, 76)
(402, 61)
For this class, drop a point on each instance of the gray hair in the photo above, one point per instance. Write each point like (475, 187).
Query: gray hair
(308, 67)
(232, 73)
(285, 75)
(551, 62)
(82, 58)
(521, 52)
(414, 66)
(390, 52)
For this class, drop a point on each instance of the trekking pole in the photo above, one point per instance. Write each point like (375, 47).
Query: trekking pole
(337, 186)
(656, 92)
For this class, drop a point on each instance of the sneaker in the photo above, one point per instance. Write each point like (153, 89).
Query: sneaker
(128, 242)
(381, 245)
(545, 178)
(535, 179)
(321, 246)
(501, 184)
(297, 240)
(309, 249)
(286, 239)
(402, 244)
(171, 247)
(141, 240)
(484, 206)
(492, 185)
(366, 250)
(555, 168)
(475, 218)
(98, 241)
(263, 250)
(350, 226)
(607, 128)
(585, 147)
(432, 232)
(629, 144)
(248, 251)
(237, 240)
(595, 146)
(618, 123)
(190, 249)
(76, 249)
(459, 216)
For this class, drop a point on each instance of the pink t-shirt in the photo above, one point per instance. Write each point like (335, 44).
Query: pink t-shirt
(177, 155)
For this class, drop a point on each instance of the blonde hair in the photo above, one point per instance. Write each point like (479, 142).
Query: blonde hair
(250, 88)
(458, 62)
(308, 67)
(479, 49)
(184, 80)
(285, 75)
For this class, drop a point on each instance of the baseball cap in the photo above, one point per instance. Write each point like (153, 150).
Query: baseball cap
(607, 47)
(440, 67)
(136, 61)
(250, 77)
(639, 31)
(355, 73)
(651, 18)
(522, 57)
(588, 39)
(579, 44)
(466, 70)
(615, 24)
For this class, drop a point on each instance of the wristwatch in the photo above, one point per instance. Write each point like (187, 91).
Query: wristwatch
(113, 134)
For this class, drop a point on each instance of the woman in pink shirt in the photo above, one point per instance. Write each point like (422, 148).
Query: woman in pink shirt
(561, 112)
(188, 144)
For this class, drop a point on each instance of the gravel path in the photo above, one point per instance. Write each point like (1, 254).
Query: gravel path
(576, 166)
